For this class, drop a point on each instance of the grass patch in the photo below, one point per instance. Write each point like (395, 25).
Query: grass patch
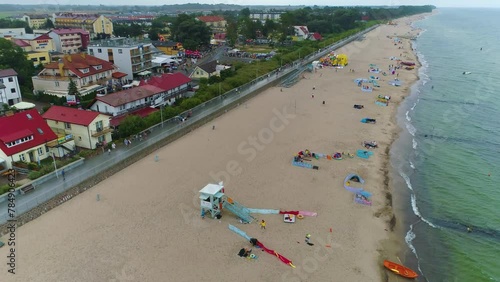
(6, 14)
(256, 48)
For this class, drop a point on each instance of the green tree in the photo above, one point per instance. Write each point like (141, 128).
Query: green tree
(48, 24)
(12, 56)
(131, 125)
(245, 13)
(190, 32)
(72, 88)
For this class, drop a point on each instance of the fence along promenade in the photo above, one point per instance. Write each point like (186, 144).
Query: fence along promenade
(200, 114)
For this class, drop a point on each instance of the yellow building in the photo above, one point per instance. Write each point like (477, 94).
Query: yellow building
(169, 47)
(216, 23)
(93, 23)
(36, 21)
(37, 48)
(89, 129)
(205, 70)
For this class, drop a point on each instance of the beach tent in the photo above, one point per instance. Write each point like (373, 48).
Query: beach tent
(364, 154)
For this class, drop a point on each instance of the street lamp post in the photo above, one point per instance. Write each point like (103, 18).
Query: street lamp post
(55, 166)
(161, 114)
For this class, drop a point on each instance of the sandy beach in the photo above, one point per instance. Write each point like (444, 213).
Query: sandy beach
(147, 225)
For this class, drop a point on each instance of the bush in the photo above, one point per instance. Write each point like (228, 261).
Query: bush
(32, 166)
(34, 175)
(86, 153)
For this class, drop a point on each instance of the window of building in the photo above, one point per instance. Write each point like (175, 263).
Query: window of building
(39, 130)
(21, 157)
(99, 50)
(13, 90)
(101, 138)
(34, 59)
(1, 80)
(40, 151)
(79, 138)
(67, 125)
(11, 79)
(57, 83)
(120, 51)
(42, 58)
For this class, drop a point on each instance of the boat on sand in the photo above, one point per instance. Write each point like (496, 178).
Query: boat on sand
(400, 270)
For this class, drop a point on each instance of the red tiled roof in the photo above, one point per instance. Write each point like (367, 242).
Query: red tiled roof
(74, 62)
(43, 36)
(70, 115)
(167, 81)
(317, 36)
(8, 72)
(209, 19)
(20, 125)
(129, 95)
(119, 74)
(144, 112)
(21, 43)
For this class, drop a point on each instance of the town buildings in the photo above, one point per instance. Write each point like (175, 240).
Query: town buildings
(10, 93)
(130, 56)
(37, 48)
(95, 24)
(35, 21)
(88, 72)
(89, 129)
(25, 137)
(70, 40)
(216, 23)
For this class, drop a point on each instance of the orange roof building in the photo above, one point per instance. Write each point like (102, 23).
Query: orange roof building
(88, 72)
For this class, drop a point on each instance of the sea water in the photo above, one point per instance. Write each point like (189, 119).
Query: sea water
(447, 158)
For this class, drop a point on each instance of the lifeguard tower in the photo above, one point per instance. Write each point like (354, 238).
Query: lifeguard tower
(211, 199)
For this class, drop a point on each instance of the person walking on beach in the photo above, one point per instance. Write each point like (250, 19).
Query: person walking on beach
(308, 240)
(263, 225)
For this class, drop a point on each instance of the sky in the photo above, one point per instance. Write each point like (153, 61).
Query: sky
(437, 3)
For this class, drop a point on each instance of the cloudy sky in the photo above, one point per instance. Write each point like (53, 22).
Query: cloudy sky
(438, 3)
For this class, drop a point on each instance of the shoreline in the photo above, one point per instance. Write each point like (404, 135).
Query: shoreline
(162, 207)
(403, 209)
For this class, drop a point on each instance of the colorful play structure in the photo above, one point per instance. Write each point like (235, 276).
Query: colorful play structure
(258, 244)
(360, 195)
(333, 59)
(213, 201)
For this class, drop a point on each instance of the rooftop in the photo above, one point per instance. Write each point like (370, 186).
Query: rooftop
(119, 42)
(70, 115)
(24, 124)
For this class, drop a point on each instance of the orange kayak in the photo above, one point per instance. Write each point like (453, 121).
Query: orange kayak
(400, 270)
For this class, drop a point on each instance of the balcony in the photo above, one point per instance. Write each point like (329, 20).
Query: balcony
(62, 137)
(101, 131)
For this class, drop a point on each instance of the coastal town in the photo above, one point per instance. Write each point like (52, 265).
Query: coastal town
(103, 133)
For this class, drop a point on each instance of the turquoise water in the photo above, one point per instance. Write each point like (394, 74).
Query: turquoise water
(448, 155)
